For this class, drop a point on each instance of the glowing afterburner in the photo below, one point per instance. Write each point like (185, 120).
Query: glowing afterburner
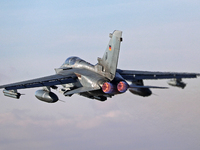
(122, 86)
(110, 88)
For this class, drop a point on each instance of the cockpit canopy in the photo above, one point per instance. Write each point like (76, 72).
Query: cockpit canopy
(71, 60)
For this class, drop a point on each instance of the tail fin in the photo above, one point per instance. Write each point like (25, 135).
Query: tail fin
(111, 55)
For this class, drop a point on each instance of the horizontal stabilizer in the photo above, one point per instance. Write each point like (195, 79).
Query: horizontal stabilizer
(81, 90)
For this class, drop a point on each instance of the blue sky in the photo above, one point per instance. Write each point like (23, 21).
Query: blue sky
(37, 36)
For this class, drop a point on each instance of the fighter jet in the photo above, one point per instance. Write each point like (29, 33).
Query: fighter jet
(100, 81)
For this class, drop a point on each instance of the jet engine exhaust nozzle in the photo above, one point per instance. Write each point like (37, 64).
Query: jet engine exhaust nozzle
(122, 86)
(108, 88)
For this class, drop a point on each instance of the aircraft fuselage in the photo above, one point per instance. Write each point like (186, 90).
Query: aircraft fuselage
(89, 75)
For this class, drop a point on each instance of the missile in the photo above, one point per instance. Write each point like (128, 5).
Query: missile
(12, 93)
(177, 83)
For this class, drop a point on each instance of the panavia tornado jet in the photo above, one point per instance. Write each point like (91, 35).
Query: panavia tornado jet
(100, 81)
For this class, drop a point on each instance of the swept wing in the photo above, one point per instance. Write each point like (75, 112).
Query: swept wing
(132, 75)
(40, 82)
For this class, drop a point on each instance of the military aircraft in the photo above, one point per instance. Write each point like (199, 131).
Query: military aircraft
(100, 81)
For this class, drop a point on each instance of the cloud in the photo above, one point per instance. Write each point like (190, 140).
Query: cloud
(126, 121)
(19, 126)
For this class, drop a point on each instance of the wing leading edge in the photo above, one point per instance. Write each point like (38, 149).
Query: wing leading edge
(40, 82)
(132, 75)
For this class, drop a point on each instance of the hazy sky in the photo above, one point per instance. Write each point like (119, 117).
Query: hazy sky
(37, 36)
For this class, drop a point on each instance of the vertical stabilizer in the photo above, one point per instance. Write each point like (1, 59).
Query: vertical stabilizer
(111, 55)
